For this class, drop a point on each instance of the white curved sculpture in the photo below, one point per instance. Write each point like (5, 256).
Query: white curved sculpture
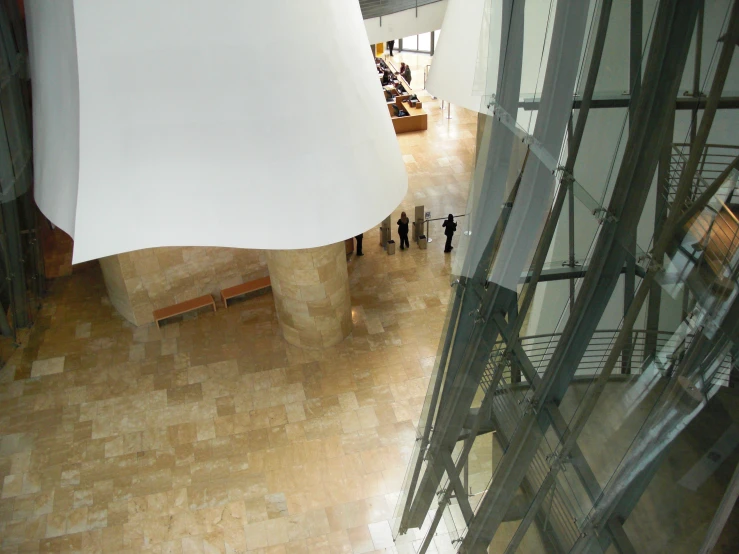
(236, 123)
(462, 44)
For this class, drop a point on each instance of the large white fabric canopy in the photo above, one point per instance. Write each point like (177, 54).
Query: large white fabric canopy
(223, 123)
(462, 45)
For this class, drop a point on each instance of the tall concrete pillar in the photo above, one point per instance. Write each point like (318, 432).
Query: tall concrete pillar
(311, 292)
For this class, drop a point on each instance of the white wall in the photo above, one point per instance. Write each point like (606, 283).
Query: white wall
(205, 126)
(406, 23)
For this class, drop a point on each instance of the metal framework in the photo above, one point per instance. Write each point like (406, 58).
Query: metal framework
(21, 262)
(490, 378)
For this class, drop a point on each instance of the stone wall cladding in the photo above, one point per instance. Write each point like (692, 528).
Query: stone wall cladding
(311, 291)
(158, 277)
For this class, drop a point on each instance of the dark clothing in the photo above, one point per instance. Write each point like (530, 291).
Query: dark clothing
(449, 227)
(407, 74)
(359, 238)
(390, 46)
(403, 233)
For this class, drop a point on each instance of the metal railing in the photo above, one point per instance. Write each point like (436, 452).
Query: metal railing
(539, 349)
(714, 159)
(567, 506)
(713, 238)
(379, 8)
(427, 229)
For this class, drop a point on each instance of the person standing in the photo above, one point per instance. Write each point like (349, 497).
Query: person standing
(449, 227)
(359, 238)
(403, 223)
(406, 72)
(390, 45)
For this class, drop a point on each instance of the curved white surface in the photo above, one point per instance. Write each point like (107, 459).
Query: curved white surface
(56, 111)
(456, 56)
(224, 123)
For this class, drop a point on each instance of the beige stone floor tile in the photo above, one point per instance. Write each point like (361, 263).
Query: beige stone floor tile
(49, 366)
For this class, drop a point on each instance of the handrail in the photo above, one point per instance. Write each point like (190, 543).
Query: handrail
(379, 8)
(426, 221)
(539, 349)
(440, 218)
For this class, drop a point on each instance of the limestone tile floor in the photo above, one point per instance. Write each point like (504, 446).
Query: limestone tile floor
(215, 435)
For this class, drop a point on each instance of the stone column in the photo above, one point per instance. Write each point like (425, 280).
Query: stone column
(311, 292)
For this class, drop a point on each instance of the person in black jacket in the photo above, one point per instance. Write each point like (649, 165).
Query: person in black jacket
(387, 77)
(359, 238)
(405, 71)
(390, 46)
(449, 227)
(403, 230)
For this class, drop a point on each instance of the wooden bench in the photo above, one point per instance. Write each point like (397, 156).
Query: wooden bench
(184, 307)
(243, 288)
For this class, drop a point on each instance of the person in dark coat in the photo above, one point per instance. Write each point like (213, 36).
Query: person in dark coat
(359, 238)
(403, 223)
(449, 227)
(405, 71)
(391, 45)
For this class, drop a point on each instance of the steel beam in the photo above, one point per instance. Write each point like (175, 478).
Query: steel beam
(570, 215)
(660, 216)
(465, 365)
(635, 55)
(603, 101)
(668, 53)
(667, 57)
(697, 68)
(568, 273)
(456, 483)
(474, 338)
(429, 416)
(699, 351)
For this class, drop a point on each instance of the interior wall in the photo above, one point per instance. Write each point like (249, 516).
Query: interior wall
(115, 284)
(146, 280)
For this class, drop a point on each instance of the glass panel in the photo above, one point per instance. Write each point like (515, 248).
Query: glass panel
(424, 42)
(410, 43)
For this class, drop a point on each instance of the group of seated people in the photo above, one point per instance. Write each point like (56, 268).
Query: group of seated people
(387, 75)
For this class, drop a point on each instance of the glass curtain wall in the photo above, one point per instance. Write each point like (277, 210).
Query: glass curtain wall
(21, 263)
(424, 43)
(580, 399)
